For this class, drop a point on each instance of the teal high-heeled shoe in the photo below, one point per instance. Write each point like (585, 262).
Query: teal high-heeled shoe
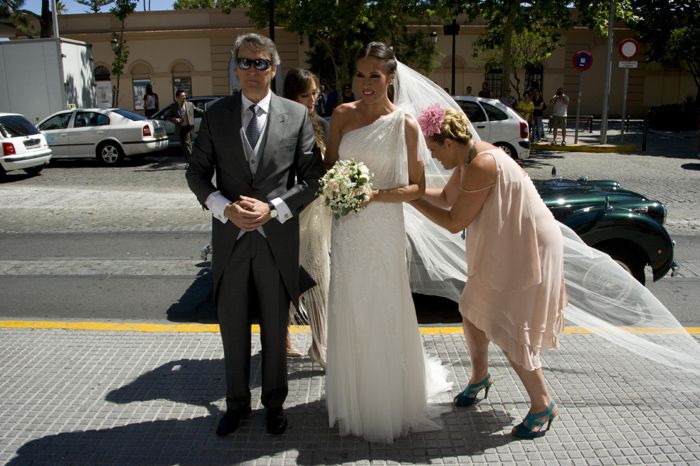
(525, 430)
(468, 396)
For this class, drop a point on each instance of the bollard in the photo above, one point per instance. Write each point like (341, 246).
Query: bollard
(645, 130)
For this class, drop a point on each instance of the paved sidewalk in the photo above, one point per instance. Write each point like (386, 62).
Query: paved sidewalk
(71, 397)
(679, 143)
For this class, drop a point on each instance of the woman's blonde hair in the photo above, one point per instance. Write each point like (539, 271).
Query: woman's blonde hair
(455, 126)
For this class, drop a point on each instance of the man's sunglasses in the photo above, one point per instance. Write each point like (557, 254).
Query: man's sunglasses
(260, 64)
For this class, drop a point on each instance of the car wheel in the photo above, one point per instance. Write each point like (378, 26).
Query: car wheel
(508, 149)
(630, 259)
(33, 170)
(109, 153)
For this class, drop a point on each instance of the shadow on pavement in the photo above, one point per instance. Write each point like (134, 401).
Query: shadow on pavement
(308, 439)
(691, 166)
(197, 303)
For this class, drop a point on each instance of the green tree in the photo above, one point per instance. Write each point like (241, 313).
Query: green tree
(527, 49)
(336, 29)
(192, 4)
(121, 10)
(13, 15)
(94, 6)
(541, 19)
(670, 30)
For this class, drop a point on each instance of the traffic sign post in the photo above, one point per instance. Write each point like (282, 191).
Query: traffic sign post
(629, 48)
(582, 61)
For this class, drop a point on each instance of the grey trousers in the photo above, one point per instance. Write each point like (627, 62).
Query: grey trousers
(251, 279)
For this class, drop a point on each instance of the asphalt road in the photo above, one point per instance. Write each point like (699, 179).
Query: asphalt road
(82, 241)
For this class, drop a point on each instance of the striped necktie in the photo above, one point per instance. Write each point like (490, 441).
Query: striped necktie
(252, 132)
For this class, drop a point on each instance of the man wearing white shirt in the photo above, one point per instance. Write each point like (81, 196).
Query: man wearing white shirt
(262, 152)
(560, 105)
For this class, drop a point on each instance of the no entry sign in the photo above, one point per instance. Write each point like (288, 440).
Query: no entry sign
(629, 48)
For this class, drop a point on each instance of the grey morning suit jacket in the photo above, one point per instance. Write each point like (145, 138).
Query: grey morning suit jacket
(290, 167)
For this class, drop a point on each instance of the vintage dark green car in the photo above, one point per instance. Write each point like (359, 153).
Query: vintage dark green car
(626, 225)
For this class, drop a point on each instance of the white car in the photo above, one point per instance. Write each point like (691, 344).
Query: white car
(108, 134)
(23, 145)
(498, 124)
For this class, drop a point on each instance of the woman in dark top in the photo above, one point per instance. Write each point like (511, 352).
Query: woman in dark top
(537, 114)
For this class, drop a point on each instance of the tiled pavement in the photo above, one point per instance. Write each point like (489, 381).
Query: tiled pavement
(72, 397)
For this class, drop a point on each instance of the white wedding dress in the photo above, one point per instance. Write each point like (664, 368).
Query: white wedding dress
(379, 379)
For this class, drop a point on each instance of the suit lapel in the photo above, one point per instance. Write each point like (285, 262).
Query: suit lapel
(232, 136)
(274, 132)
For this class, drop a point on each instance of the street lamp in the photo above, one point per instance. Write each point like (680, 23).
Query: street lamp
(433, 37)
(114, 43)
(452, 29)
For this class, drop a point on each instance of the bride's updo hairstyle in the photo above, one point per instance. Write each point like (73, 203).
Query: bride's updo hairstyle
(380, 51)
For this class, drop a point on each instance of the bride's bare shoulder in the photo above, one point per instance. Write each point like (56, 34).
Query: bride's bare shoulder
(346, 116)
(345, 111)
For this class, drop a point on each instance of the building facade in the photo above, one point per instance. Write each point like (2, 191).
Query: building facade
(190, 49)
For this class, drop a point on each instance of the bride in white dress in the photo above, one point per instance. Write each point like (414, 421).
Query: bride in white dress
(379, 380)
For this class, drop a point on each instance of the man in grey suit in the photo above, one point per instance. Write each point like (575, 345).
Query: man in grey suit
(182, 115)
(262, 151)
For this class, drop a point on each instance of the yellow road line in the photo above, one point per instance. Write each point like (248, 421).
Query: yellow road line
(214, 328)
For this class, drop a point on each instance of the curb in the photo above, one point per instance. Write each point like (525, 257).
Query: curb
(143, 327)
(597, 148)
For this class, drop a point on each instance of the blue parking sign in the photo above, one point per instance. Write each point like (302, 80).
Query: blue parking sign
(583, 60)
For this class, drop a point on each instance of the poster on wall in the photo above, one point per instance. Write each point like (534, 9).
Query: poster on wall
(140, 92)
(103, 94)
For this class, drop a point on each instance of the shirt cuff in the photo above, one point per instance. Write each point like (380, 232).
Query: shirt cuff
(283, 212)
(216, 203)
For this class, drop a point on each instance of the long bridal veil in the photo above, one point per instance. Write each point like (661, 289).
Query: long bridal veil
(603, 298)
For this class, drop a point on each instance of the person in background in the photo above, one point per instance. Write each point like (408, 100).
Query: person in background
(348, 95)
(331, 100)
(507, 98)
(321, 101)
(150, 102)
(537, 115)
(182, 115)
(469, 91)
(485, 91)
(314, 224)
(515, 293)
(560, 104)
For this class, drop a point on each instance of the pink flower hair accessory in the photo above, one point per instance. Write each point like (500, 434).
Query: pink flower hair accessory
(430, 119)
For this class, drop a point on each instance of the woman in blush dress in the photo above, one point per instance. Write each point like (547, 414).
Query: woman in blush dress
(378, 377)
(515, 293)
(314, 224)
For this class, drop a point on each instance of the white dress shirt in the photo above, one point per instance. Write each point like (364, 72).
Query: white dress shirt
(217, 202)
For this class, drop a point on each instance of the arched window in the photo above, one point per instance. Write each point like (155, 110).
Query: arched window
(140, 78)
(494, 78)
(102, 73)
(182, 77)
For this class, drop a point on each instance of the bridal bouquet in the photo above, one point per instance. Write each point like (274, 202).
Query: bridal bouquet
(347, 187)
